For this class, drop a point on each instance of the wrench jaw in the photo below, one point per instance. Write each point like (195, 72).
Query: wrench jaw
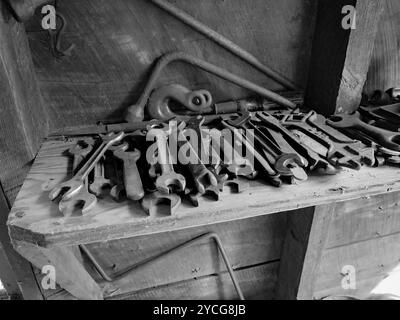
(152, 202)
(67, 189)
(171, 182)
(83, 201)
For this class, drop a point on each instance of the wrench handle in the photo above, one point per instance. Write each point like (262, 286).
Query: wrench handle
(132, 180)
(383, 137)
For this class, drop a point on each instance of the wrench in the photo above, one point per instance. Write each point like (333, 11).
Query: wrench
(281, 161)
(83, 198)
(387, 139)
(316, 162)
(168, 179)
(77, 182)
(151, 201)
(100, 182)
(203, 177)
(273, 176)
(132, 181)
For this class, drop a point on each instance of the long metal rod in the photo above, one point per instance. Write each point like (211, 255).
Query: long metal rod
(136, 111)
(126, 271)
(224, 42)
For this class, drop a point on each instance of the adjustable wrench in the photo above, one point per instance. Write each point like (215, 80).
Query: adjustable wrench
(77, 182)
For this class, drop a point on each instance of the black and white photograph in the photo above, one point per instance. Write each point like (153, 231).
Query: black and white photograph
(193, 157)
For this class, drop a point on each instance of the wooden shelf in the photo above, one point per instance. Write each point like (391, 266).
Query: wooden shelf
(35, 219)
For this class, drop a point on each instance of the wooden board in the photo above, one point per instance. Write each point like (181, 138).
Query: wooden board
(117, 42)
(35, 219)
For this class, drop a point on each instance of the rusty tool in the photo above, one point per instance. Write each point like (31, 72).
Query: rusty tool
(238, 185)
(135, 113)
(100, 182)
(83, 199)
(224, 42)
(158, 107)
(125, 272)
(203, 178)
(315, 161)
(77, 182)
(117, 191)
(235, 163)
(281, 162)
(272, 175)
(168, 179)
(385, 138)
(152, 201)
(132, 180)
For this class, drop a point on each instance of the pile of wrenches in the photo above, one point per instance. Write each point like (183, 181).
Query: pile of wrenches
(188, 159)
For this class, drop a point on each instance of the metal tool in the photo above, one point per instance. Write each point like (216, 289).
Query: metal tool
(77, 182)
(152, 201)
(132, 180)
(281, 162)
(135, 113)
(238, 185)
(224, 42)
(315, 161)
(203, 178)
(117, 191)
(158, 107)
(100, 182)
(123, 273)
(385, 138)
(235, 163)
(83, 199)
(272, 175)
(168, 179)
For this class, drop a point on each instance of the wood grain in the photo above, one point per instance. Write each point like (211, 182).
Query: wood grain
(117, 42)
(35, 219)
(341, 58)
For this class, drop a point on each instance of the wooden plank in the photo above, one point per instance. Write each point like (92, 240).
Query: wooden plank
(302, 251)
(340, 58)
(373, 261)
(116, 43)
(23, 121)
(43, 224)
(15, 272)
(385, 62)
(69, 271)
(364, 219)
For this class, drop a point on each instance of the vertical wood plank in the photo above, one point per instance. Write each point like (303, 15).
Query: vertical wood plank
(341, 58)
(69, 271)
(23, 120)
(15, 271)
(302, 251)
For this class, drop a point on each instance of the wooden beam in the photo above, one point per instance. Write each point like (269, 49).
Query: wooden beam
(23, 120)
(340, 58)
(16, 272)
(70, 273)
(302, 251)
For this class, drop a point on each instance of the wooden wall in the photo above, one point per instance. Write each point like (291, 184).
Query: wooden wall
(116, 42)
(384, 72)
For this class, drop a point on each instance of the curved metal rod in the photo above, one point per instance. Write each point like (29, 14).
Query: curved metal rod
(224, 42)
(125, 272)
(136, 112)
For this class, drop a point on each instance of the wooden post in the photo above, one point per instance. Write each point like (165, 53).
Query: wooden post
(340, 57)
(302, 250)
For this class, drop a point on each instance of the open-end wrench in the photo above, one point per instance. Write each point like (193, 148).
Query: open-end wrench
(168, 179)
(77, 182)
(282, 162)
(237, 184)
(152, 201)
(132, 180)
(203, 177)
(316, 162)
(100, 182)
(236, 164)
(82, 199)
(273, 176)
(387, 139)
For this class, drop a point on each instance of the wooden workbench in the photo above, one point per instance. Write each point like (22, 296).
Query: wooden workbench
(41, 234)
